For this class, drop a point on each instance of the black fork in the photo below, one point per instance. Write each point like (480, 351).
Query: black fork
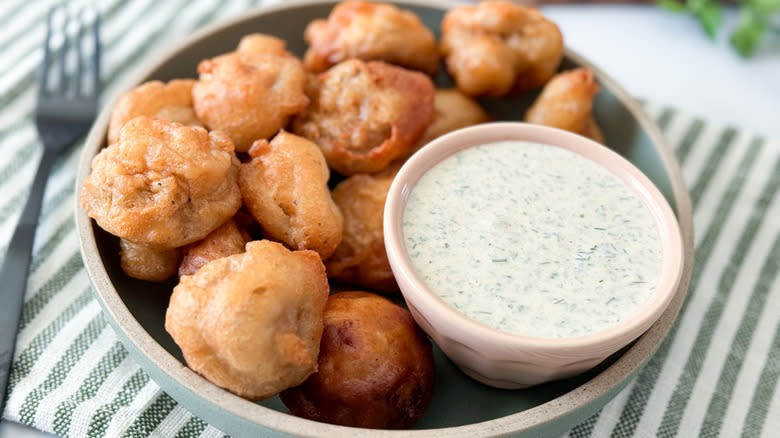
(68, 91)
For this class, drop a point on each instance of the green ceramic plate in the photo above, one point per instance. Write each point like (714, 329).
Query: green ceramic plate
(460, 406)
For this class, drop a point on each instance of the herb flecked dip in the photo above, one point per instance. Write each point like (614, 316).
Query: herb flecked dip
(532, 239)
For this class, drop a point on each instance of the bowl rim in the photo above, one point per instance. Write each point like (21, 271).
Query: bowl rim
(137, 339)
(485, 339)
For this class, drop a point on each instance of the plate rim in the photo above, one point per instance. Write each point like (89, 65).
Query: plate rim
(190, 384)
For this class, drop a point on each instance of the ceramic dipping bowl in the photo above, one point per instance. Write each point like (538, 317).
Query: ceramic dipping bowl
(498, 358)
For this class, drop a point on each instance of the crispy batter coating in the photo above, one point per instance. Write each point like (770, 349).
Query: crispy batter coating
(146, 262)
(361, 259)
(225, 241)
(593, 131)
(285, 187)
(497, 47)
(251, 323)
(371, 32)
(566, 102)
(453, 110)
(365, 114)
(250, 93)
(375, 367)
(171, 101)
(163, 183)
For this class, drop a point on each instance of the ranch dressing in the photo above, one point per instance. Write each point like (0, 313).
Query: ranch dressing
(532, 239)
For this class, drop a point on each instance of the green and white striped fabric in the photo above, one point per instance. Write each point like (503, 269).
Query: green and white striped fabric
(715, 375)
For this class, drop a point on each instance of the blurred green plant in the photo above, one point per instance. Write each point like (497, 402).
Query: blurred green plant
(755, 18)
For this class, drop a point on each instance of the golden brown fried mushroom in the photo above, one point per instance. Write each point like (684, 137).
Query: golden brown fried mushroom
(162, 183)
(225, 241)
(285, 187)
(566, 102)
(365, 114)
(146, 262)
(375, 367)
(251, 323)
(360, 259)
(171, 101)
(497, 47)
(593, 132)
(452, 110)
(371, 32)
(251, 93)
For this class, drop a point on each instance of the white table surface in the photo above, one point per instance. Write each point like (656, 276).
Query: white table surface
(663, 57)
(667, 58)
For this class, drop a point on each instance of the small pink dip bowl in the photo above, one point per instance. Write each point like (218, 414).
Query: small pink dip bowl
(507, 360)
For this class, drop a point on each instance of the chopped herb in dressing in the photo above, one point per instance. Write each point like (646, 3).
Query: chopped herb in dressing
(532, 239)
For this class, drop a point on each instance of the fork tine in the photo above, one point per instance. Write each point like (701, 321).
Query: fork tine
(61, 54)
(79, 57)
(96, 61)
(89, 17)
(54, 66)
(43, 73)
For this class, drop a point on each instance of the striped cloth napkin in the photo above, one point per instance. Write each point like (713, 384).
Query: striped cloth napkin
(715, 375)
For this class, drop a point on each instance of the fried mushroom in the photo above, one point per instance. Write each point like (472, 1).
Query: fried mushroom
(251, 93)
(452, 110)
(163, 184)
(150, 263)
(566, 102)
(365, 114)
(497, 47)
(361, 259)
(252, 322)
(285, 187)
(372, 32)
(376, 367)
(226, 240)
(170, 101)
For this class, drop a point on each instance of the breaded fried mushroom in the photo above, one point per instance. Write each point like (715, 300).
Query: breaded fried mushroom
(375, 367)
(148, 263)
(497, 47)
(251, 93)
(361, 259)
(365, 114)
(285, 187)
(251, 323)
(163, 184)
(226, 240)
(170, 101)
(452, 110)
(372, 32)
(566, 102)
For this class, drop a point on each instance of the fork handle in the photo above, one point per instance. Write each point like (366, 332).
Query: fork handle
(16, 267)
